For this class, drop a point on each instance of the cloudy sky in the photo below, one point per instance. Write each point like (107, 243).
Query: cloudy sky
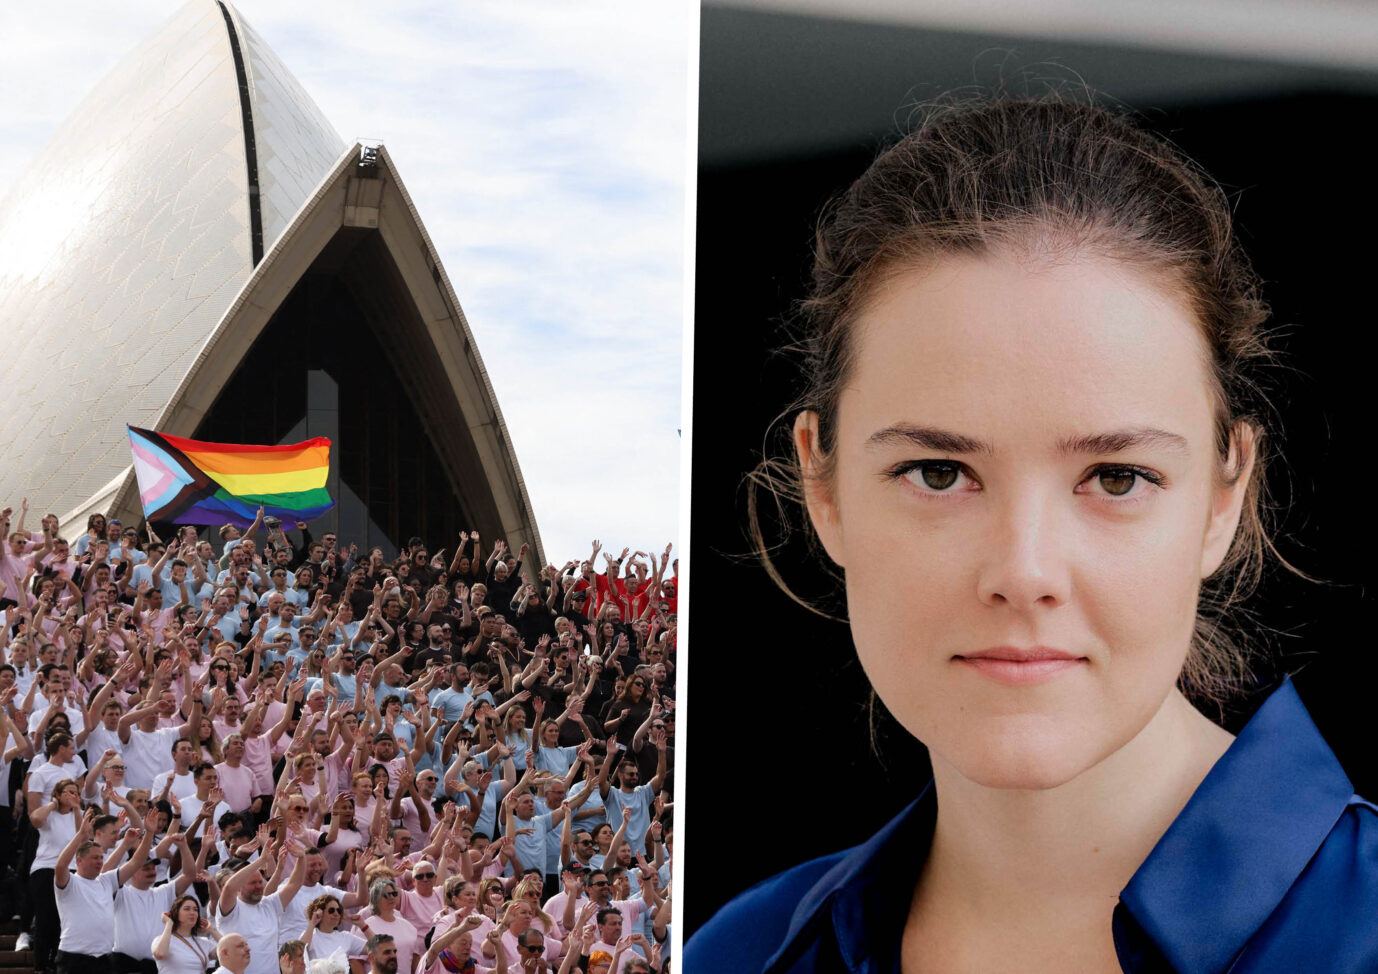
(544, 144)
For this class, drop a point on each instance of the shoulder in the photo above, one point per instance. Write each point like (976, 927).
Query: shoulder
(746, 932)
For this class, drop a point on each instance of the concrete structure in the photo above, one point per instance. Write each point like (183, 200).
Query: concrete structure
(197, 251)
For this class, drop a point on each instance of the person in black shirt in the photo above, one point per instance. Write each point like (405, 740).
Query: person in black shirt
(505, 579)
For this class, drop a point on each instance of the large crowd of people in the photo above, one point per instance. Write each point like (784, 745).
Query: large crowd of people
(267, 751)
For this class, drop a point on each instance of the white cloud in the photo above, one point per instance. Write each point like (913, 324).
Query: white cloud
(543, 144)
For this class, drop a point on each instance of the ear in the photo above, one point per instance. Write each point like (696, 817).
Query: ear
(818, 490)
(1227, 499)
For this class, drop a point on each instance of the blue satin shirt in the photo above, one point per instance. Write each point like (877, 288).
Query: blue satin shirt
(1271, 866)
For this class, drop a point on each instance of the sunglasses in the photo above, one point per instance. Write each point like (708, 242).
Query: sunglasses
(424, 876)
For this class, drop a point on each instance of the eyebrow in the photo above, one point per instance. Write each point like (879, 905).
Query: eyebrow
(1094, 444)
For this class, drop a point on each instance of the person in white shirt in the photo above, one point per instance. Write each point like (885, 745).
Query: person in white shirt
(105, 735)
(207, 781)
(246, 911)
(187, 940)
(178, 780)
(145, 745)
(141, 907)
(86, 900)
(234, 953)
(56, 823)
(62, 762)
(296, 913)
(323, 935)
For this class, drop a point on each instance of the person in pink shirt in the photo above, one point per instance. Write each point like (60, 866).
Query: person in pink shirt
(455, 949)
(236, 779)
(383, 897)
(368, 806)
(15, 565)
(226, 714)
(342, 836)
(424, 900)
(523, 934)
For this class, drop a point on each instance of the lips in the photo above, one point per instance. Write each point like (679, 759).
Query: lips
(1020, 666)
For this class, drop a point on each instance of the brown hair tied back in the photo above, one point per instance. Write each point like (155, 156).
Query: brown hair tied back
(1047, 178)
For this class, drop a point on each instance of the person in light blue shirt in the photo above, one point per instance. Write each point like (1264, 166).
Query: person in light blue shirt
(449, 704)
(143, 572)
(465, 781)
(342, 671)
(225, 618)
(346, 627)
(279, 584)
(630, 793)
(286, 621)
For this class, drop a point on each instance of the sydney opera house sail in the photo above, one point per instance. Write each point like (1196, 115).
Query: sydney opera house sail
(197, 251)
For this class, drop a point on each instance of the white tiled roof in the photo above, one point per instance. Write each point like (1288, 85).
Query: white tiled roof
(127, 239)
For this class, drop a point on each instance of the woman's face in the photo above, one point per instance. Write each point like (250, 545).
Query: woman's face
(517, 721)
(1024, 464)
(550, 735)
(330, 916)
(188, 914)
(69, 798)
(388, 901)
(494, 896)
(467, 898)
(602, 836)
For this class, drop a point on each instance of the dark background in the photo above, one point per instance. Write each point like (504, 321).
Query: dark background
(777, 701)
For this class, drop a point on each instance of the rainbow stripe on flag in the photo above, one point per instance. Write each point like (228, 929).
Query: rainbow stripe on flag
(184, 481)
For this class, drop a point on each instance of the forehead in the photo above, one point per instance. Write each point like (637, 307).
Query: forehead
(1020, 353)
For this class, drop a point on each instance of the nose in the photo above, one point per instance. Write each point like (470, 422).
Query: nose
(1024, 564)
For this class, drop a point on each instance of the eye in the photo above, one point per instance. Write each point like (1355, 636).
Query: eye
(935, 476)
(1118, 482)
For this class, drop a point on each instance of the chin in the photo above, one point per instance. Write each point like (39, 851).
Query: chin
(1023, 758)
(1032, 750)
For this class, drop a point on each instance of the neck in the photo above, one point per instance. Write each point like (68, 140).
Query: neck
(1044, 856)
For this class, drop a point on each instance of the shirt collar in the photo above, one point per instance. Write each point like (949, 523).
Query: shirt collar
(1242, 840)
(1248, 831)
